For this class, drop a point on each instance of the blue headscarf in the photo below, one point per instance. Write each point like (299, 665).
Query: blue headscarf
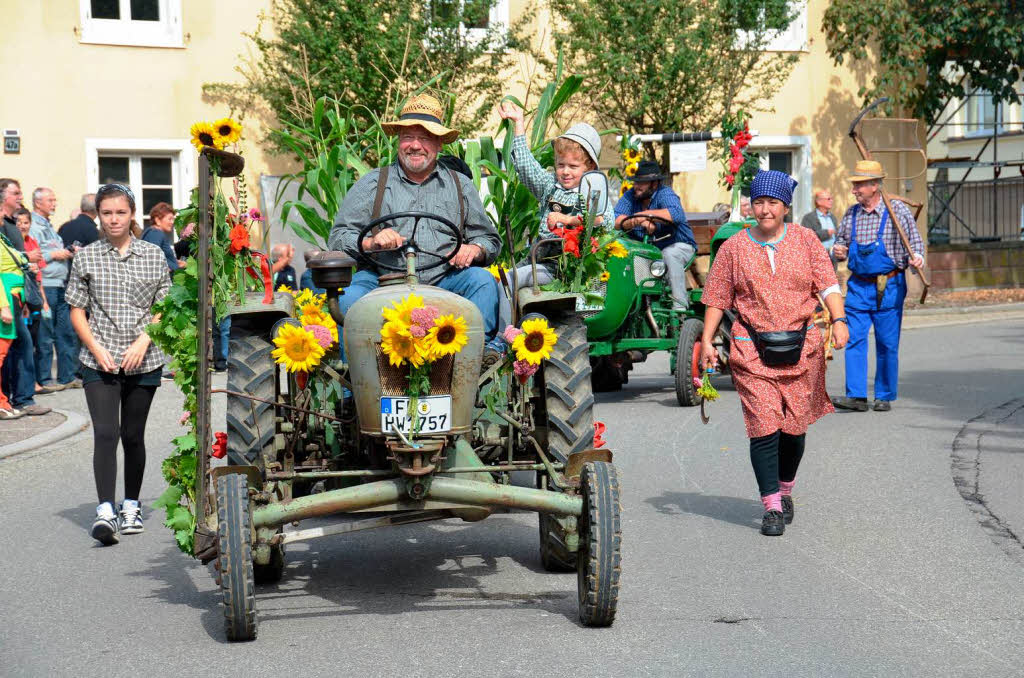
(772, 184)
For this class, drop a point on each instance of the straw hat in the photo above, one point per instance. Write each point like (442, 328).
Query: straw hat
(867, 170)
(425, 111)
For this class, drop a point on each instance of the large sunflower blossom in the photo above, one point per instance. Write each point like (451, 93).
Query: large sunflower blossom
(402, 311)
(297, 349)
(447, 336)
(400, 346)
(228, 131)
(204, 134)
(316, 316)
(616, 249)
(535, 343)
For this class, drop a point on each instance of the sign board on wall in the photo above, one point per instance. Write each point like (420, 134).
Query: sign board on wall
(687, 156)
(12, 141)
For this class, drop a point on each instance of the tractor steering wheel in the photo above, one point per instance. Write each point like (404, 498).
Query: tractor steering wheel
(410, 242)
(656, 220)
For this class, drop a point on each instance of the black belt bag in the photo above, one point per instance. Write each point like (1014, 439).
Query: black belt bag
(778, 349)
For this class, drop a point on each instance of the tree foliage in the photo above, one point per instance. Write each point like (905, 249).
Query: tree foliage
(674, 66)
(929, 51)
(370, 54)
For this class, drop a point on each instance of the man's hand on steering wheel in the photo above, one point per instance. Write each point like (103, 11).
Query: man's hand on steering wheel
(466, 256)
(386, 239)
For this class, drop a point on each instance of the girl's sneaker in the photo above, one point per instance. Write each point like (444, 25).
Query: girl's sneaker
(10, 413)
(104, 528)
(131, 517)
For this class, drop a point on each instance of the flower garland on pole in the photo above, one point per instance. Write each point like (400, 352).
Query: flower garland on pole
(739, 164)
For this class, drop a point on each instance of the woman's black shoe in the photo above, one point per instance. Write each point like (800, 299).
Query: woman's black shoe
(773, 524)
(787, 508)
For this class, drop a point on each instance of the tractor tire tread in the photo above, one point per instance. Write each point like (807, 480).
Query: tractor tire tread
(599, 566)
(250, 423)
(238, 586)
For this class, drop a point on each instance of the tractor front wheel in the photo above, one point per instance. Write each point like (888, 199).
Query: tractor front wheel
(688, 361)
(599, 562)
(234, 532)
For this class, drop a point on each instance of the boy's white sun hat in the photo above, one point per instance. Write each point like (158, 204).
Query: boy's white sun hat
(586, 136)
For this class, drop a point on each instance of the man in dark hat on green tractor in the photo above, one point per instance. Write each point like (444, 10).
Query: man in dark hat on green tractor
(652, 210)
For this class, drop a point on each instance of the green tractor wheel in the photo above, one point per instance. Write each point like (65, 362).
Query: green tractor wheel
(688, 361)
(599, 564)
(250, 423)
(234, 538)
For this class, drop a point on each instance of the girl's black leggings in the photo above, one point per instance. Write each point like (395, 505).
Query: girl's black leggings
(119, 408)
(775, 457)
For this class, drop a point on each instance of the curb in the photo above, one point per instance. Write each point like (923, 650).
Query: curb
(73, 423)
(951, 310)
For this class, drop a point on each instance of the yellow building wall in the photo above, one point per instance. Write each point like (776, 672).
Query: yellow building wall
(68, 91)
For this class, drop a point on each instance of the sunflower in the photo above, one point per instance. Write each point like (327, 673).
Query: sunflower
(605, 275)
(495, 271)
(447, 336)
(631, 169)
(399, 345)
(315, 316)
(303, 297)
(626, 185)
(204, 134)
(631, 155)
(402, 311)
(228, 131)
(535, 343)
(284, 288)
(616, 249)
(297, 349)
(309, 306)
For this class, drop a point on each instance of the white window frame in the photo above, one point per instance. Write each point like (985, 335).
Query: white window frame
(164, 33)
(800, 147)
(793, 39)
(498, 20)
(977, 99)
(179, 150)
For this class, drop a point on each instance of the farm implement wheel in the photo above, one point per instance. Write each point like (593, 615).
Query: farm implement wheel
(235, 560)
(555, 555)
(250, 423)
(599, 560)
(688, 361)
(568, 395)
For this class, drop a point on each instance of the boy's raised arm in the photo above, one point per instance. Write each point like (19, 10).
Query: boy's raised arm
(534, 177)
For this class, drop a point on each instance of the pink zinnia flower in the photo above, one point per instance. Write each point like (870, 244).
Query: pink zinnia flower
(184, 418)
(511, 332)
(417, 331)
(524, 370)
(322, 334)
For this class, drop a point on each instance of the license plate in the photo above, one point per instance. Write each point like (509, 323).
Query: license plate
(435, 414)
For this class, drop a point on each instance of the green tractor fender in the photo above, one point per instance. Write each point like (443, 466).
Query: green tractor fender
(628, 278)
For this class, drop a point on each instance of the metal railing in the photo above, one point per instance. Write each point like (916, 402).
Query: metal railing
(988, 210)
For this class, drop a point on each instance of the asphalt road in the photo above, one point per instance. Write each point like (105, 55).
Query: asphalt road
(902, 559)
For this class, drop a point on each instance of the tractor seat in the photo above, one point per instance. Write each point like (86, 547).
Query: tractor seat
(331, 270)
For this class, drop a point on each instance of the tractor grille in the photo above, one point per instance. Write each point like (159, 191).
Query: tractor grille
(641, 269)
(394, 381)
(584, 311)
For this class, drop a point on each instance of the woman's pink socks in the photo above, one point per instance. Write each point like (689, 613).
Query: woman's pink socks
(772, 502)
(786, 488)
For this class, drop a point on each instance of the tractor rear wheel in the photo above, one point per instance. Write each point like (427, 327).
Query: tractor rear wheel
(599, 563)
(566, 389)
(250, 423)
(688, 361)
(234, 534)
(555, 555)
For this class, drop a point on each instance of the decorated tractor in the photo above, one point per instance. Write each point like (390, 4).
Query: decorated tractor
(637, 317)
(400, 427)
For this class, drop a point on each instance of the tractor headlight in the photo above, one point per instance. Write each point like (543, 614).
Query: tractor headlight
(658, 268)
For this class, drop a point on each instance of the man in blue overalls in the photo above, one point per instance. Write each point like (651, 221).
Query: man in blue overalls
(877, 287)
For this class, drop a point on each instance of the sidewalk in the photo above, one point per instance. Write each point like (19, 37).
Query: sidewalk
(69, 416)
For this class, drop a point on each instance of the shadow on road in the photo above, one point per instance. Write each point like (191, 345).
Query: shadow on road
(743, 512)
(402, 570)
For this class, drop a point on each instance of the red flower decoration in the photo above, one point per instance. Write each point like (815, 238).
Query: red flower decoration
(239, 239)
(220, 445)
(571, 239)
(599, 429)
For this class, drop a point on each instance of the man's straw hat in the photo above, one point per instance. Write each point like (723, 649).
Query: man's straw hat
(867, 170)
(425, 111)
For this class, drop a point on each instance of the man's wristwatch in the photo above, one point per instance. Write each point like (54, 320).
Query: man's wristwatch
(840, 320)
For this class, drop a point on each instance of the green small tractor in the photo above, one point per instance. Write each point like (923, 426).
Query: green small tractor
(353, 464)
(637, 317)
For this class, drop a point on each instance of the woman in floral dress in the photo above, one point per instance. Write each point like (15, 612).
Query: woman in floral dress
(772, 274)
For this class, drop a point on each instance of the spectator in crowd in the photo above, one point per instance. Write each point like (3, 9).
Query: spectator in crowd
(161, 231)
(120, 365)
(56, 331)
(81, 230)
(820, 220)
(35, 317)
(11, 282)
(10, 201)
(746, 211)
(306, 282)
(281, 257)
(183, 248)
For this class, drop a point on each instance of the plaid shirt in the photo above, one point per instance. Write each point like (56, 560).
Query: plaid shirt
(118, 293)
(546, 188)
(867, 229)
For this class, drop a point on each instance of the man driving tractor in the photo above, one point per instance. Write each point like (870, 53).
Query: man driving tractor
(417, 183)
(651, 209)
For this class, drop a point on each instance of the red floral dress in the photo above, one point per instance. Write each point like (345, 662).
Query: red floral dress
(788, 398)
